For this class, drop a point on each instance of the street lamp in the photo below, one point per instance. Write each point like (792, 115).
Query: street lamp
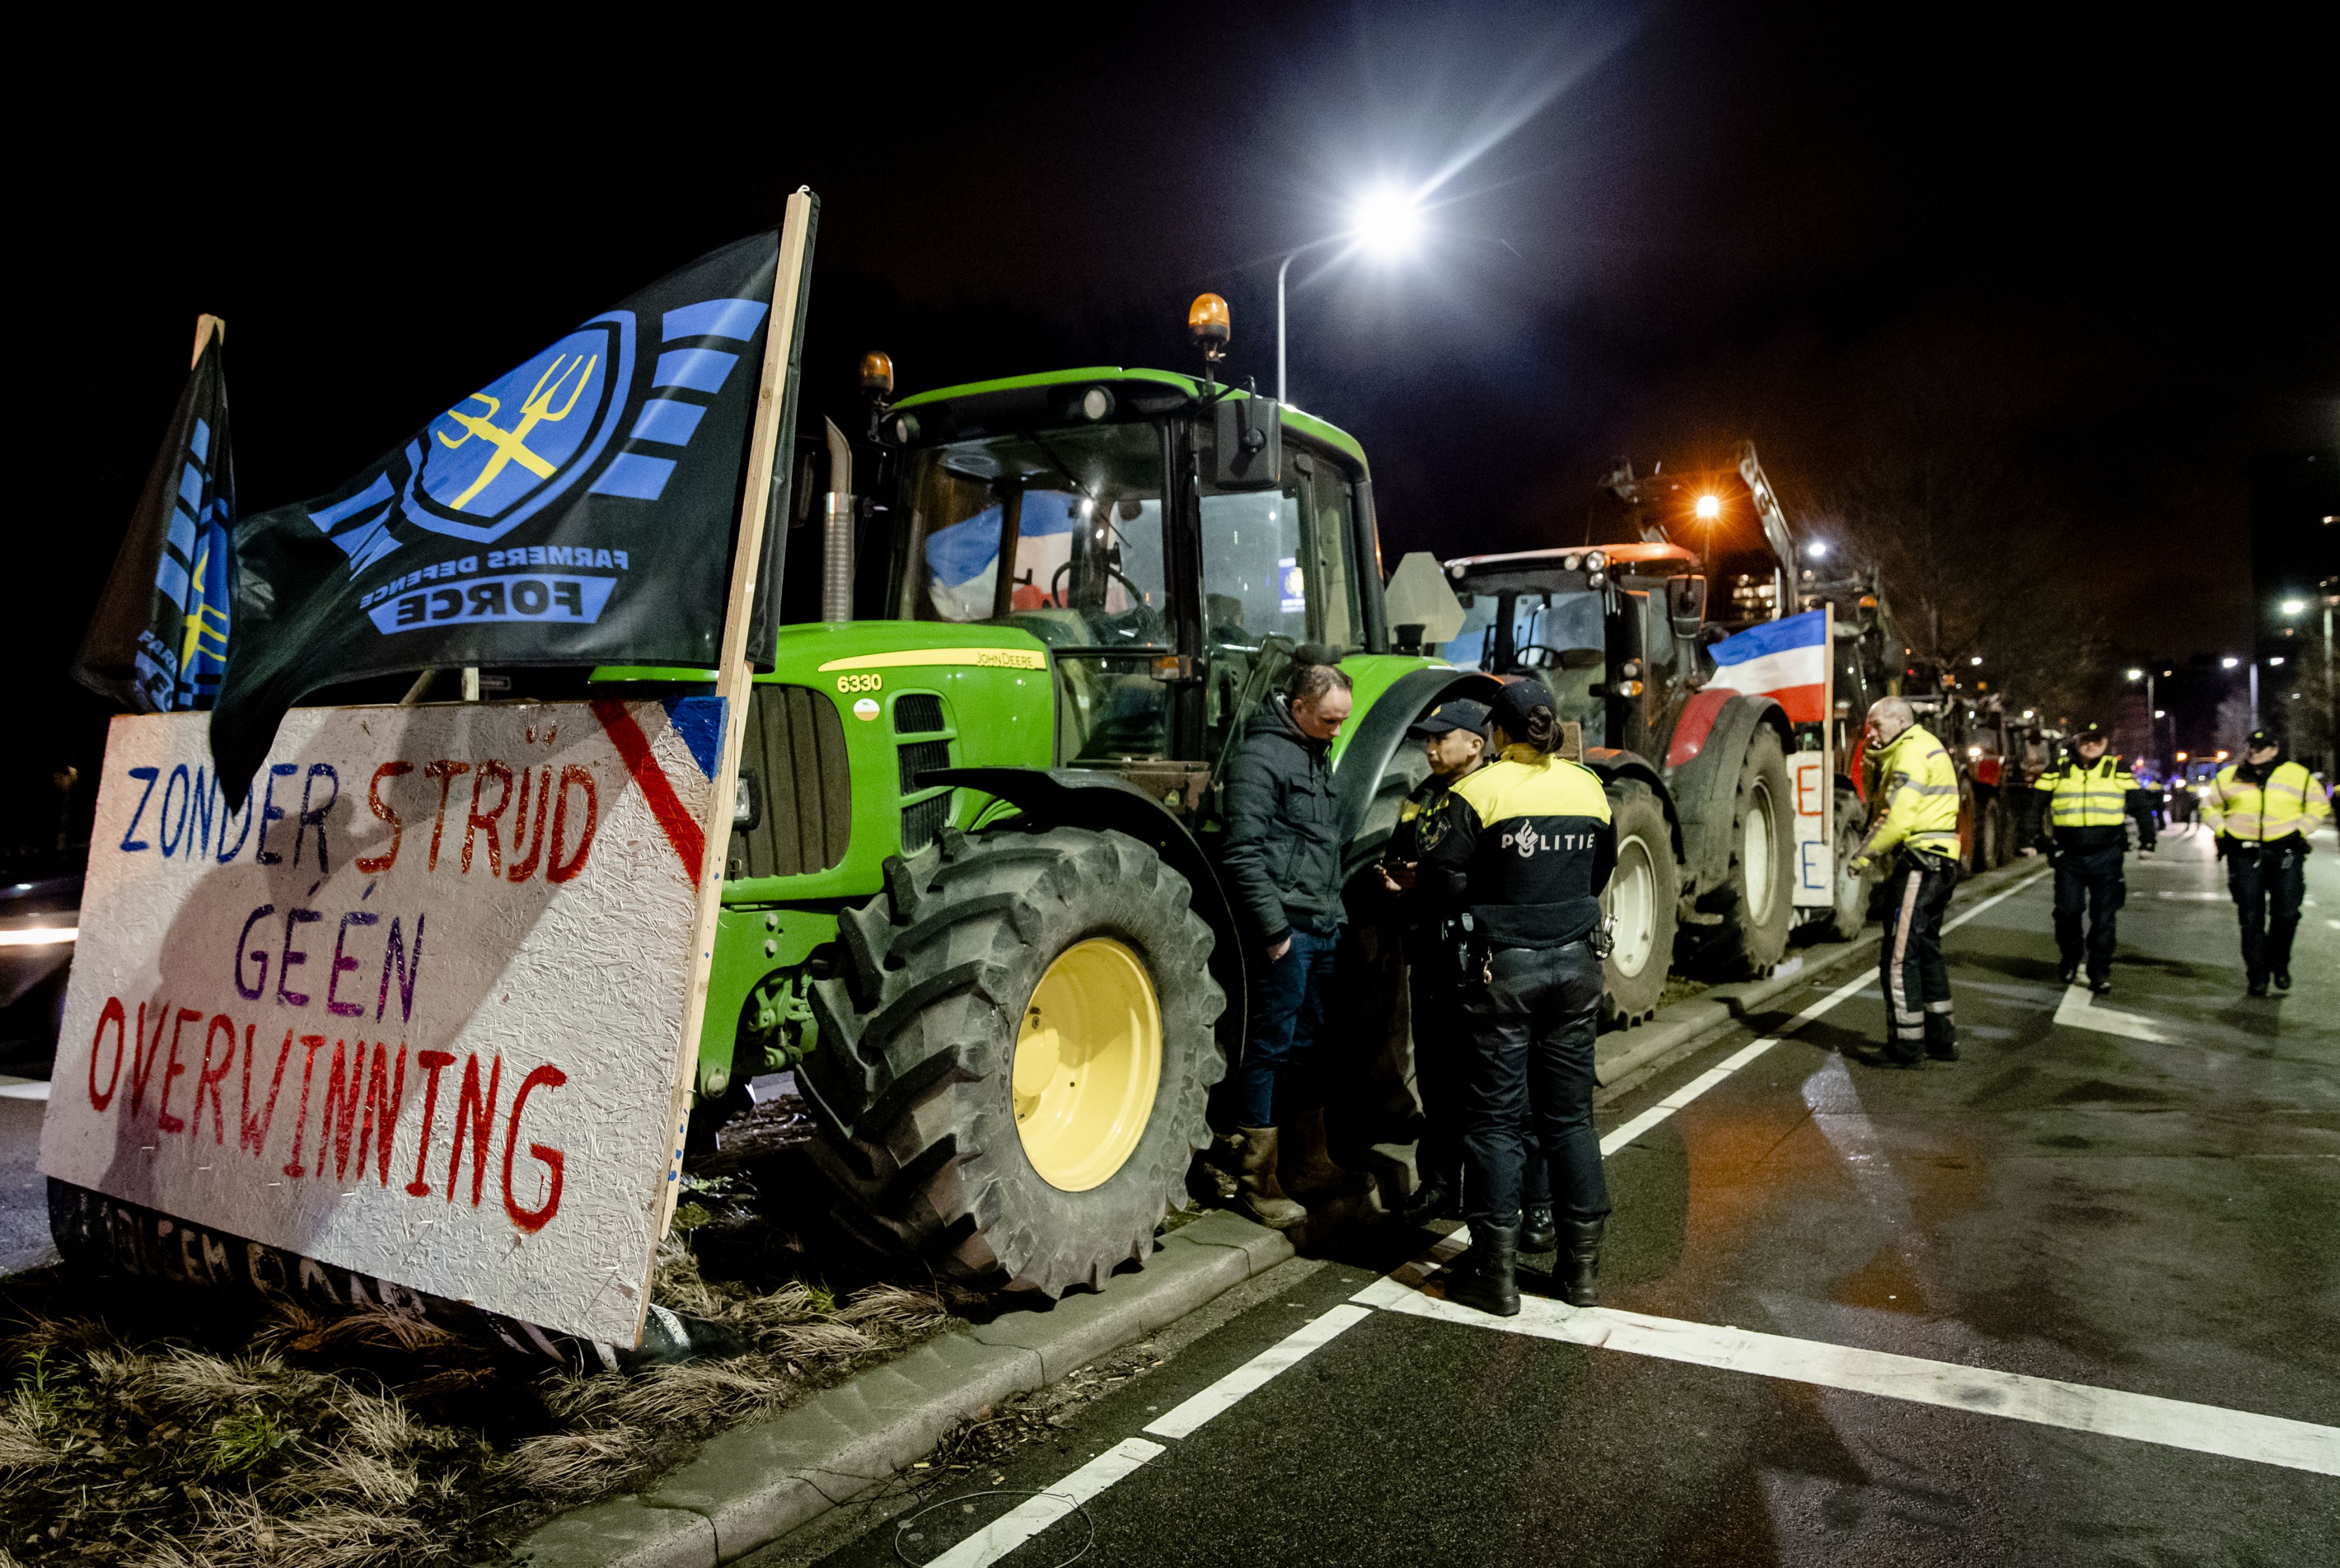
(2153, 725)
(2229, 662)
(1708, 508)
(1385, 222)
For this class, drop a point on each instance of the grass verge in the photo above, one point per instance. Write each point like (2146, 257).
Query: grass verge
(156, 1426)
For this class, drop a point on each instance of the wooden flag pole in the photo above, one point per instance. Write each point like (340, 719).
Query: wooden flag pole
(205, 326)
(734, 673)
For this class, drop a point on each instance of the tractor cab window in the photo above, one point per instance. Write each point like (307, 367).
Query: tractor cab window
(1514, 624)
(1059, 533)
(1279, 569)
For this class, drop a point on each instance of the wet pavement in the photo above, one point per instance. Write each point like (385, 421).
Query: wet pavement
(2036, 1305)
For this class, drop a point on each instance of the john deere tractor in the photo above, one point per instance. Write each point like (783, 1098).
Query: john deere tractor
(972, 898)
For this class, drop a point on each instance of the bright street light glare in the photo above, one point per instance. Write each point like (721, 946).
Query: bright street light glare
(2277, 661)
(2229, 662)
(1976, 660)
(2136, 675)
(2293, 607)
(1710, 507)
(1817, 549)
(1387, 220)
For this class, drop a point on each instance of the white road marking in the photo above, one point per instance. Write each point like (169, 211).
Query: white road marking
(1708, 1079)
(2078, 1011)
(2219, 897)
(1182, 1419)
(1020, 1524)
(23, 1088)
(2046, 1401)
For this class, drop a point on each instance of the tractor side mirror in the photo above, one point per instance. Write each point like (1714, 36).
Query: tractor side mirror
(1686, 605)
(1249, 446)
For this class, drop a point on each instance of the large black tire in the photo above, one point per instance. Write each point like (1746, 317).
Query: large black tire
(1642, 893)
(1850, 910)
(911, 1083)
(1757, 917)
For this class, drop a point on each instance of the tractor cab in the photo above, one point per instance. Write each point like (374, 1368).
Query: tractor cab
(1612, 631)
(1168, 540)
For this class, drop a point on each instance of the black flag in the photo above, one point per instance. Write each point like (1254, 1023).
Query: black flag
(158, 640)
(578, 509)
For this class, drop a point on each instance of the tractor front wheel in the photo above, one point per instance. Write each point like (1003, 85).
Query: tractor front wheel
(1640, 903)
(1015, 1056)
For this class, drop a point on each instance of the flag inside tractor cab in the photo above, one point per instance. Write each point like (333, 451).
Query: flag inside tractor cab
(158, 640)
(577, 510)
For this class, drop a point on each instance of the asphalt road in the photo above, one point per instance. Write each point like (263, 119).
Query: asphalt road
(1988, 1311)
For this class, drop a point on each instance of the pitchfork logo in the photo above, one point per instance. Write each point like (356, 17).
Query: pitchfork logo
(503, 452)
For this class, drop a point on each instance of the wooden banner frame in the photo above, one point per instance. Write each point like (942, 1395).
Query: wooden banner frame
(735, 672)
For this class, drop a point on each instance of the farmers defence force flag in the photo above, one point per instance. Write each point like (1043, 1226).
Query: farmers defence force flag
(158, 640)
(1783, 659)
(577, 510)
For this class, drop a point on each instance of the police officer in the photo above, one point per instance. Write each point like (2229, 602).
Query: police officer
(1919, 788)
(1524, 847)
(2090, 796)
(2263, 808)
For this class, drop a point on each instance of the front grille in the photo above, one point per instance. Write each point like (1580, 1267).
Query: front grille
(923, 820)
(917, 757)
(917, 714)
(795, 752)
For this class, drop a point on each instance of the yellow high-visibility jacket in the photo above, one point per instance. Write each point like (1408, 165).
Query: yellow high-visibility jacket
(1918, 787)
(2087, 800)
(2290, 802)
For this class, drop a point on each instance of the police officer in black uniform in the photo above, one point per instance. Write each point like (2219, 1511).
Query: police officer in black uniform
(1524, 847)
(1454, 736)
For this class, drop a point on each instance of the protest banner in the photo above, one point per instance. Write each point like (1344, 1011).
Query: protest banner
(415, 1010)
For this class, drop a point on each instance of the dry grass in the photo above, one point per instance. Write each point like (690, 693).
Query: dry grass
(153, 1427)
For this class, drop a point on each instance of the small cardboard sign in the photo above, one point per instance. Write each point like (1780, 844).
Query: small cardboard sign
(1813, 791)
(415, 1010)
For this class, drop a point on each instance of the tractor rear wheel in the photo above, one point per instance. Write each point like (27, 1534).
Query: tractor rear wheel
(1013, 1057)
(1640, 897)
(1754, 935)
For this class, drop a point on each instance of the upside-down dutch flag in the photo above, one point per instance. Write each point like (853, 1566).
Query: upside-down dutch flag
(1783, 659)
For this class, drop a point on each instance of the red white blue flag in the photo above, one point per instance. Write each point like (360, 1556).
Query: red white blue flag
(1785, 660)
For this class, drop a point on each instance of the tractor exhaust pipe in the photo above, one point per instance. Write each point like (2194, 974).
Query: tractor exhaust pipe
(836, 530)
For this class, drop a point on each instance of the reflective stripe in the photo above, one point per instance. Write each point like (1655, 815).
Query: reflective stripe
(1941, 1007)
(1900, 993)
(1930, 789)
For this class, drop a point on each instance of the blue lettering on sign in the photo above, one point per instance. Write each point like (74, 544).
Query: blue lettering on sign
(573, 599)
(1811, 865)
(133, 845)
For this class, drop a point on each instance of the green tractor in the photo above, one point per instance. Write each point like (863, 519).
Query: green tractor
(971, 898)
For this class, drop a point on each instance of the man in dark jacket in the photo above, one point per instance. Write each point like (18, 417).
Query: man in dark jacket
(1283, 859)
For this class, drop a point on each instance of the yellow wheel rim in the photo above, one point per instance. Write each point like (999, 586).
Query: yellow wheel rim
(1088, 1064)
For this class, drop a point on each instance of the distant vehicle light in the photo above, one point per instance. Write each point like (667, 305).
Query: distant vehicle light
(1974, 751)
(1593, 561)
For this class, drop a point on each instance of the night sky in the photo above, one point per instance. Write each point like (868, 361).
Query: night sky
(2089, 252)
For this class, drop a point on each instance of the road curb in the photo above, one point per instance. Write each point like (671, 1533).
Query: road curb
(752, 1485)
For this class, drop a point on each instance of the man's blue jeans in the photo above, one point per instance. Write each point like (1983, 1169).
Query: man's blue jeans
(1279, 1071)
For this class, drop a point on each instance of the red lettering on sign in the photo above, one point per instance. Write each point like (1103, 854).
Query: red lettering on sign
(475, 1115)
(555, 868)
(163, 1120)
(143, 1055)
(532, 1219)
(111, 1014)
(521, 870)
(446, 772)
(207, 1080)
(480, 821)
(313, 1042)
(433, 1062)
(375, 864)
(252, 1136)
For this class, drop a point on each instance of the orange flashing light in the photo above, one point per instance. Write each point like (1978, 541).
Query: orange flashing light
(878, 374)
(1208, 322)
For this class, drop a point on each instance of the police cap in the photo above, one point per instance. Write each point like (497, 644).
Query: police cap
(1462, 713)
(1515, 707)
(2259, 741)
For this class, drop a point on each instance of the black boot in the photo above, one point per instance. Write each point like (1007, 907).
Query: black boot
(2069, 971)
(2283, 980)
(1487, 1277)
(1434, 1199)
(1579, 1261)
(2258, 985)
(2100, 984)
(1537, 1232)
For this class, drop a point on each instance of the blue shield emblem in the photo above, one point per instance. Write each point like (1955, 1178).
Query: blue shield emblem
(507, 450)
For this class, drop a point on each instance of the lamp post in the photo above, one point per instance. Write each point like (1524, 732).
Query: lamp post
(2152, 718)
(1387, 220)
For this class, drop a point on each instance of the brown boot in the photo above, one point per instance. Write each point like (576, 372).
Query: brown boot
(1308, 1167)
(1257, 1192)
